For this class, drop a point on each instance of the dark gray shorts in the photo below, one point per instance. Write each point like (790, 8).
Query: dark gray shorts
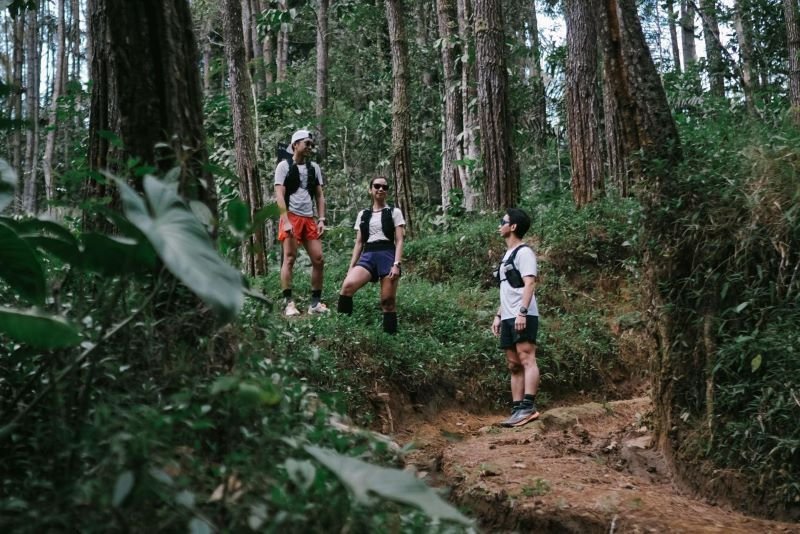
(509, 337)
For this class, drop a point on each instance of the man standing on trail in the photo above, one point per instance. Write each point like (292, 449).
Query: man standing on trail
(517, 318)
(298, 184)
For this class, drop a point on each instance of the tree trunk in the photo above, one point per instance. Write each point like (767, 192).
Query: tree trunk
(401, 115)
(250, 192)
(257, 69)
(451, 176)
(500, 168)
(716, 67)
(282, 58)
(673, 34)
(687, 35)
(59, 83)
(745, 57)
(421, 13)
(30, 184)
(322, 78)
(268, 53)
(469, 95)
(75, 39)
(207, 57)
(650, 130)
(583, 117)
(616, 161)
(539, 110)
(147, 91)
(19, 59)
(793, 46)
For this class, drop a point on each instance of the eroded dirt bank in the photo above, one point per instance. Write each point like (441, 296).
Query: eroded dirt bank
(584, 468)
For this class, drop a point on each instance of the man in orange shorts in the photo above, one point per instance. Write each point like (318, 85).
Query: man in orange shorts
(298, 187)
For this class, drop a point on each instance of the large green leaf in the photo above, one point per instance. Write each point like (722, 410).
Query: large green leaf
(8, 182)
(66, 251)
(20, 267)
(399, 486)
(183, 244)
(112, 255)
(38, 329)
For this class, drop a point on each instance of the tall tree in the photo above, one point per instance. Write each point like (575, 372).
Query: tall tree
(688, 45)
(452, 176)
(16, 94)
(650, 133)
(716, 67)
(673, 34)
(59, 84)
(500, 168)
(30, 187)
(583, 114)
(743, 33)
(469, 96)
(282, 52)
(793, 47)
(253, 255)
(267, 51)
(536, 79)
(401, 115)
(322, 78)
(147, 91)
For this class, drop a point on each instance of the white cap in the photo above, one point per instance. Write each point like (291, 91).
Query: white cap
(299, 135)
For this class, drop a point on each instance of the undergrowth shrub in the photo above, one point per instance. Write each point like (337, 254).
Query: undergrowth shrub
(736, 202)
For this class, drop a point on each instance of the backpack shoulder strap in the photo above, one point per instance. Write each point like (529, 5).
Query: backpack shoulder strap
(511, 258)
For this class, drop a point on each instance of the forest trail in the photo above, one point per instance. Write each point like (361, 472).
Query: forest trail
(582, 468)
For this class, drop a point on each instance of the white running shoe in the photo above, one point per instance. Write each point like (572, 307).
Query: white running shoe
(291, 310)
(318, 308)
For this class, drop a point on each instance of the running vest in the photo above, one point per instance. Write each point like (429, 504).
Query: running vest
(387, 225)
(292, 181)
(512, 274)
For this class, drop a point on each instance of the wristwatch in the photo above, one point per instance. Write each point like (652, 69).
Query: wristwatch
(523, 310)
(397, 263)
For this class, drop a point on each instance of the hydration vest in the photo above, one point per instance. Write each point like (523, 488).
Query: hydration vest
(292, 181)
(387, 226)
(512, 274)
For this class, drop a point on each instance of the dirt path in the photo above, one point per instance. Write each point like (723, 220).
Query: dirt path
(585, 468)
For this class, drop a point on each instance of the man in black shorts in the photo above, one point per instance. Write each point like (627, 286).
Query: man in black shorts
(517, 318)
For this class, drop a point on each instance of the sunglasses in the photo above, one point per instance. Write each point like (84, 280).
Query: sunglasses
(308, 142)
(504, 222)
(381, 187)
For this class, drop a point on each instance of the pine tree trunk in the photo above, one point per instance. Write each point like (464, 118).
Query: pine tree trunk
(452, 148)
(539, 109)
(322, 78)
(687, 35)
(256, 51)
(793, 47)
(583, 117)
(616, 162)
(716, 67)
(673, 34)
(469, 95)
(283, 47)
(30, 178)
(147, 90)
(243, 133)
(75, 39)
(401, 114)
(59, 83)
(745, 57)
(500, 168)
(267, 53)
(19, 58)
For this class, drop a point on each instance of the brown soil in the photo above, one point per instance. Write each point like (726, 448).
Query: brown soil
(581, 468)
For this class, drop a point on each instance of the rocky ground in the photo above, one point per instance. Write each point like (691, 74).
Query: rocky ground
(583, 468)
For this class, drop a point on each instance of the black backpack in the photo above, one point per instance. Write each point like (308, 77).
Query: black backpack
(387, 223)
(292, 181)
(513, 275)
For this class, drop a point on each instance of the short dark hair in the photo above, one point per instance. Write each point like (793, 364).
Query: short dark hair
(521, 219)
(372, 180)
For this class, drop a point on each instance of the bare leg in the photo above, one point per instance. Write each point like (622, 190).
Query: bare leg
(356, 278)
(314, 249)
(527, 357)
(517, 371)
(289, 257)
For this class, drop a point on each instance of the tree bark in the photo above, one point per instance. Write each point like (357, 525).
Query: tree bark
(716, 67)
(469, 96)
(322, 78)
(401, 115)
(539, 110)
(59, 84)
(147, 91)
(452, 176)
(687, 35)
(793, 47)
(267, 52)
(583, 117)
(673, 34)
(253, 254)
(30, 177)
(282, 58)
(16, 96)
(500, 168)
(745, 57)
